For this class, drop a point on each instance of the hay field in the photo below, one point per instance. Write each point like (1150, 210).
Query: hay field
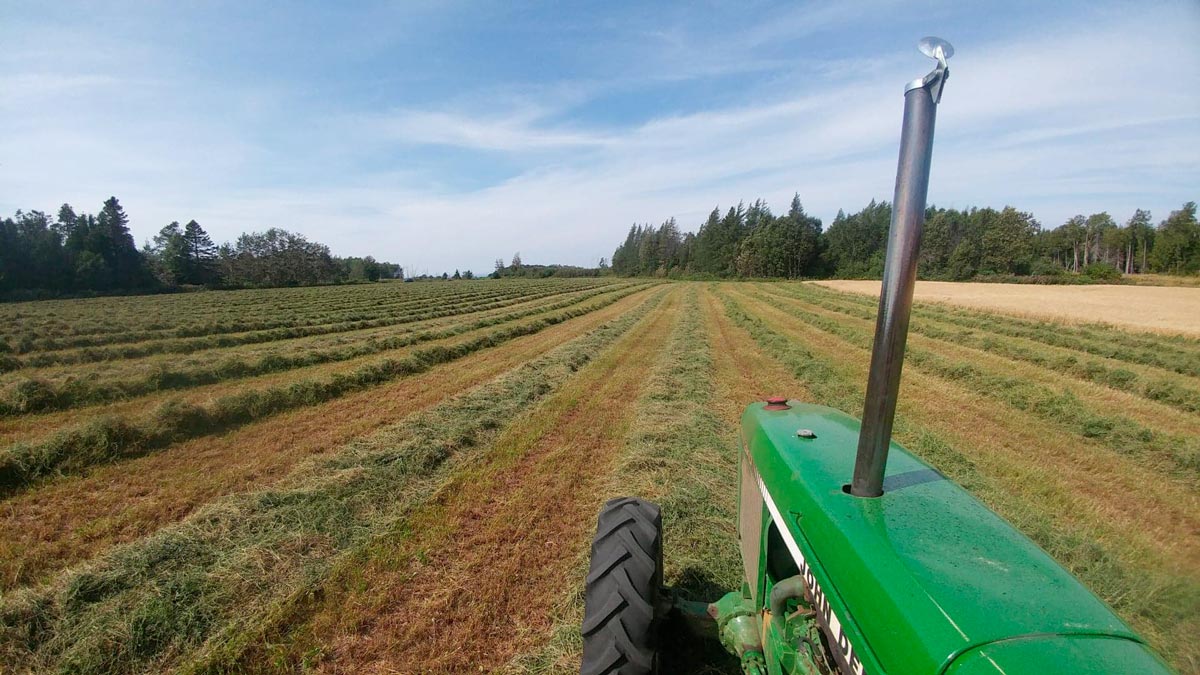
(1166, 309)
(404, 477)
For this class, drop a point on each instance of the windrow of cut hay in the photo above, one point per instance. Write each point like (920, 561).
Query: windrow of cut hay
(337, 510)
(381, 318)
(678, 454)
(31, 394)
(1031, 390)
(1149, 308)
(1176, 353)
(1151, 382)
(255, 342)
(109, 314)
(521, 510)
(1114, 524)
(193, 594)
(1163, 501)
(37, 428)
(108, 439)
(118, 327)
(126, 345)
(47, 529)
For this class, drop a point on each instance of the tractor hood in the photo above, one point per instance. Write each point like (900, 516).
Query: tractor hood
(924, 579)
(1076, 654)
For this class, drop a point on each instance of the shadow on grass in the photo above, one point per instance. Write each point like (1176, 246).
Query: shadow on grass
(683, 650)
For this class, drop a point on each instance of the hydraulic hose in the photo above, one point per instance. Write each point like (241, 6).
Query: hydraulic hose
(792, 587)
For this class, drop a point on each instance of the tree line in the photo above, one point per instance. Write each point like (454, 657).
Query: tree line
(81, 252)
(956, 245)
(521, 270)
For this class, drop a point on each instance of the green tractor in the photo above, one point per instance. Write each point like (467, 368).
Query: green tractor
(854, 564)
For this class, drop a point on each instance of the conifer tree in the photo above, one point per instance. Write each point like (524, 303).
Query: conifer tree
(201, 255)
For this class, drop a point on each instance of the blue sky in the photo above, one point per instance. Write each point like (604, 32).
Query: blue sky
(443, 135)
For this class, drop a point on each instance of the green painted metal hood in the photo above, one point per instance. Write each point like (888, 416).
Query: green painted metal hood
(1085, 655)
(926, 573)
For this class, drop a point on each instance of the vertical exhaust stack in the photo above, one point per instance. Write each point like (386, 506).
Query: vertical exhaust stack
(921, 98)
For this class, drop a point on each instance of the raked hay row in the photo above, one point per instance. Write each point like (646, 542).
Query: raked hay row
(404, 477)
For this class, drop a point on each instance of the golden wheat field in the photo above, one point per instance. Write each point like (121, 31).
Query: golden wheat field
(1165, 309)
(404, 477)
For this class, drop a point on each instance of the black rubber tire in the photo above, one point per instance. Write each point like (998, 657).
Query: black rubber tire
(623, 582)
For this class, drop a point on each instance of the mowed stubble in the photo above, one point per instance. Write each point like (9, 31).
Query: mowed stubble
(1105, 481)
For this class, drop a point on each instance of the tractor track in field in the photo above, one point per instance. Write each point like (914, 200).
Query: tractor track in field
(78, 517)
(449, 602)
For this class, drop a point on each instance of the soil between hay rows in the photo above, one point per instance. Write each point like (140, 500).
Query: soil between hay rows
(518, 514)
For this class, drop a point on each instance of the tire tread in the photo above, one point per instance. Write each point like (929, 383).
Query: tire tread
(622, 590)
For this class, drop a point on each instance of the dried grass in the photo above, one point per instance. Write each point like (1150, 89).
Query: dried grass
(1149, 308)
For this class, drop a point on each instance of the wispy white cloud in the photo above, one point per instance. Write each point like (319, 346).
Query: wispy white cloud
(516, 133)
(799, 20)
(836, 143)
(1104, 121)
(37, 88)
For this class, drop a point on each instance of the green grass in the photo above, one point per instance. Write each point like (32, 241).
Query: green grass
(1168, 390)
(27, 395)
(1170, 454)
(1179, 354)
(1160, 604)
(195, 594)
(108, 439)
(678, 455)
(233, 586)
(169, 341)
(117, 323)
(88, 330)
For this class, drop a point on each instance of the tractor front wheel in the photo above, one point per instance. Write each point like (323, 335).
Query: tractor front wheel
(623, 582)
